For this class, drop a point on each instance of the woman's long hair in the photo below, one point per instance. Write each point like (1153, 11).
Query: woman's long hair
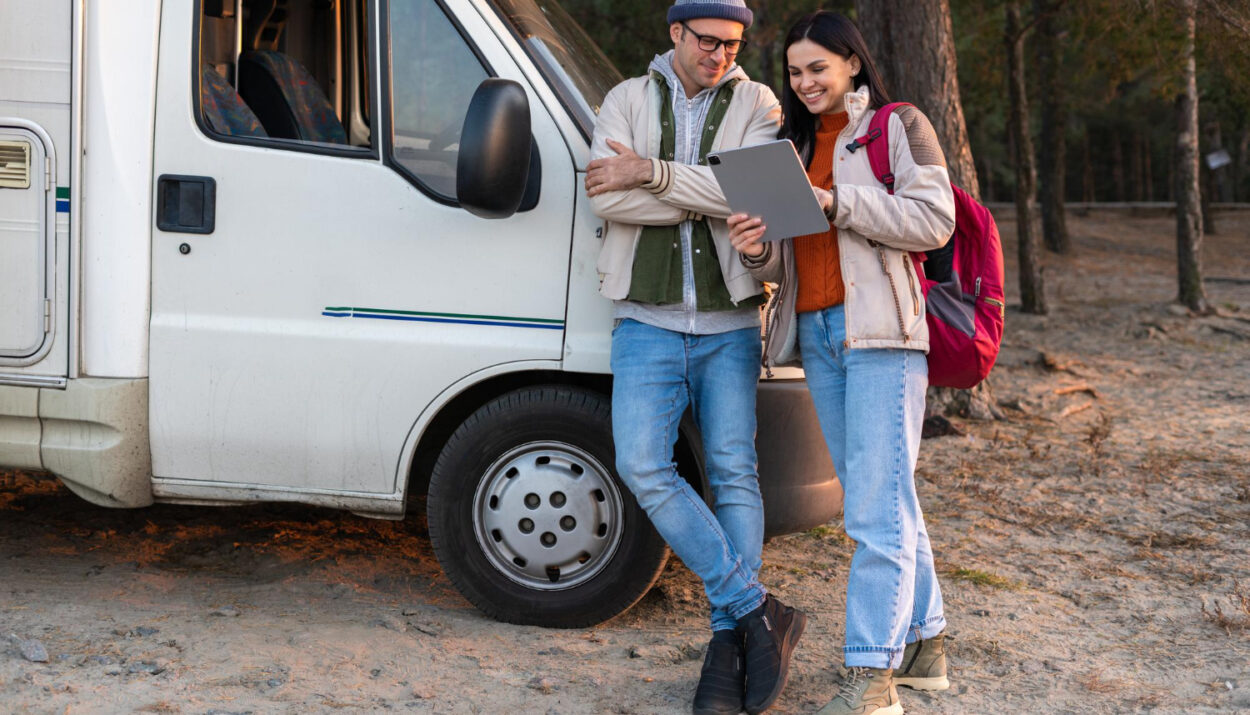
(840, 36)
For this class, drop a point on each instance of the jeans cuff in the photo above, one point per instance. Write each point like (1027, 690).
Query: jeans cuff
(926, 629)
(871, 656)
(756, 602)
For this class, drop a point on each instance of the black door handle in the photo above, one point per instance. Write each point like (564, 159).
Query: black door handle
(186, 204)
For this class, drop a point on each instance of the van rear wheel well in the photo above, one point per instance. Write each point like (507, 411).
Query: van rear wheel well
(687, 453)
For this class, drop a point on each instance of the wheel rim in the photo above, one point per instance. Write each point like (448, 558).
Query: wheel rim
(548, 515)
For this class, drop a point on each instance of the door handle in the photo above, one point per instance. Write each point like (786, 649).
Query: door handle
(186, 204)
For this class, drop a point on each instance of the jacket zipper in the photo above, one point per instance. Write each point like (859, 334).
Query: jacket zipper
(911, 283)
(898, 307)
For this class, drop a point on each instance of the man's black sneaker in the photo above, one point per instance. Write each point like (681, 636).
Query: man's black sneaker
(721, 682)
(769, 635)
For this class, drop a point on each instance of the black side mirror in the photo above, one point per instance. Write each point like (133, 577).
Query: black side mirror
(495, 145)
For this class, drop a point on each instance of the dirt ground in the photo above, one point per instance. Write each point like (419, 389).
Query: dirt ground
(1093, 547)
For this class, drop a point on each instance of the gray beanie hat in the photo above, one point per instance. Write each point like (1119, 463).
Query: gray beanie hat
(735, 10)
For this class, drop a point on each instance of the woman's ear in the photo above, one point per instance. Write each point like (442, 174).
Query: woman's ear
(856, 65)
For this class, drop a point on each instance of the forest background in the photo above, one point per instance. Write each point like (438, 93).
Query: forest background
(1117, 69)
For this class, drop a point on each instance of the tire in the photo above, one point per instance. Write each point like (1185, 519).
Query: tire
(528, 517)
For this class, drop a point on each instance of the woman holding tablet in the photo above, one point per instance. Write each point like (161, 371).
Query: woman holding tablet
(849, 302)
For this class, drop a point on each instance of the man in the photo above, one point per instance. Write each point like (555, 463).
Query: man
(688, 332)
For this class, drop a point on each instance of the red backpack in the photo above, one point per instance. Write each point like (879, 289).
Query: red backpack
(964, 310)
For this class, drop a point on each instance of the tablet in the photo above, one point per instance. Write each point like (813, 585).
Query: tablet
(768, 180)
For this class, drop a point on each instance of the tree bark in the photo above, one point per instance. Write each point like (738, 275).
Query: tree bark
(1053, 154)
(1147, 173)
(1117, 164)
(1032, 284)
(1088, 194)
(1137, 190)
(1188, 199)
(913, 44)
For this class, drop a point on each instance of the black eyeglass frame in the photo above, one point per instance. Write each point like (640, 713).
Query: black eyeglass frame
(738, 45)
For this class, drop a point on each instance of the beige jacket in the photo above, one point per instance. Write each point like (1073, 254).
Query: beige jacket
(884, 305)
(630, 114)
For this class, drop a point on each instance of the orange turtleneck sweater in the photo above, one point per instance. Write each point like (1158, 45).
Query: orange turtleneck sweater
(816, 254)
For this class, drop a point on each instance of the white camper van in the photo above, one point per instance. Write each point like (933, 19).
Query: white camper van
(335, 252)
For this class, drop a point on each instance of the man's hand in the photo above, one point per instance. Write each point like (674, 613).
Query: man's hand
(622, 172)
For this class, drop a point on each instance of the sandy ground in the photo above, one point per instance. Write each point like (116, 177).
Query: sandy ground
(1092, 546)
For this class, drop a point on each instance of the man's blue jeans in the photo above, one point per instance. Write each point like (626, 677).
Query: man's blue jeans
(870, 403)
(657, 374)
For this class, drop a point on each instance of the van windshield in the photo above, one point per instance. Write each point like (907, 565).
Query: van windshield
(571, 61)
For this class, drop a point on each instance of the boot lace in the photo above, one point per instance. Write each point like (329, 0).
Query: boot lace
(851, 680)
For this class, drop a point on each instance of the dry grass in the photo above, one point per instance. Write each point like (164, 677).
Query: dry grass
(1236, 617)
(982, 578)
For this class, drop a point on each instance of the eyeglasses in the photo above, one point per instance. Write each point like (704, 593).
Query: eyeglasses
(709, 43)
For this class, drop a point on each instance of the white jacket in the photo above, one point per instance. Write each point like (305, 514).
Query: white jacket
(884, 305)
(630, 114)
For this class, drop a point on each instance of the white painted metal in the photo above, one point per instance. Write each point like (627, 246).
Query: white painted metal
(25, 252)
(252, 387)
(35, 93)
(120, 101)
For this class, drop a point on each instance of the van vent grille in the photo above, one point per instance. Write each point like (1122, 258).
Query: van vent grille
(14, 165)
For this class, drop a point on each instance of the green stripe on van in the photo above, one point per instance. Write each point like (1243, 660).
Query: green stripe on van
(62, 192)
(442, 315)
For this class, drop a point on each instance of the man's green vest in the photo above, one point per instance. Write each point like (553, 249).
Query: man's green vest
(657, 271)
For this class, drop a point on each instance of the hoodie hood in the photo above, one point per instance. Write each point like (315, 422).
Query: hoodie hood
(664, 65)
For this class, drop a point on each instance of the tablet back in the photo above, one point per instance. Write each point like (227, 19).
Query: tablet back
(768, 180)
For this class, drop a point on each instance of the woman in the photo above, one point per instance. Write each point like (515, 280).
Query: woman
(861, 332)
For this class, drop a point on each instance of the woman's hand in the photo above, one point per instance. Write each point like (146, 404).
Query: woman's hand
(745, 233)
(825, 198)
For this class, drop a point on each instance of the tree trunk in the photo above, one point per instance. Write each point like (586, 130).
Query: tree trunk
(1117, 164)
(1147, 173)
(1243, 166)
(1188, 198)
(1137, 190)
(1088, 194)
(913, 44)
(899, 33)
(1032, 285)
(1053, 155)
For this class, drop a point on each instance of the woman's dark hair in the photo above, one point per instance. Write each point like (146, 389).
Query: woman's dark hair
(839, 35)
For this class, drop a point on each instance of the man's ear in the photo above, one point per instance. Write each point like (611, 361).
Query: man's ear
(674, 31)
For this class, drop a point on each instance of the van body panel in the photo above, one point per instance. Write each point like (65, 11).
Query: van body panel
(120, 99)
(20, 430)
(95, 438)
(35, 116)
(294, 346)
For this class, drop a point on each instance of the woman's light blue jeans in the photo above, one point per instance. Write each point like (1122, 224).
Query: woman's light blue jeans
(657, 374)
(870, 403)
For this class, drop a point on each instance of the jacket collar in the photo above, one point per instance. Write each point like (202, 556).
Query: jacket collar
(857, 104)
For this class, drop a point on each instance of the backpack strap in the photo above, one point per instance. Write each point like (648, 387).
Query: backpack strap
(879, 151)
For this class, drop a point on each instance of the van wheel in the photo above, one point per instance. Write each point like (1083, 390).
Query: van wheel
(528, 517)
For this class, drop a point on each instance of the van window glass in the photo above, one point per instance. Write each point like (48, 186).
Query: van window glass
(293, 72)
(434, 74)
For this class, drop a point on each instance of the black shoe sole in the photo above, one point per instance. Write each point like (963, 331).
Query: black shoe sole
(787, 649)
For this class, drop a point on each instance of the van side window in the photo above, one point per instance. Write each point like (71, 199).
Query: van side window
(434, 73)
(286, 70)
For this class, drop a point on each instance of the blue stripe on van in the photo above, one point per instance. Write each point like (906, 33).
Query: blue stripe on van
(452, 318)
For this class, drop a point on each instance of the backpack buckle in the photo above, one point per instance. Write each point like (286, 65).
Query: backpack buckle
(863, 141)
(888, 179)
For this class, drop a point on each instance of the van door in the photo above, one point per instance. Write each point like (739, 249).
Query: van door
(36, 41)
(315, 285)
(26, 246)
